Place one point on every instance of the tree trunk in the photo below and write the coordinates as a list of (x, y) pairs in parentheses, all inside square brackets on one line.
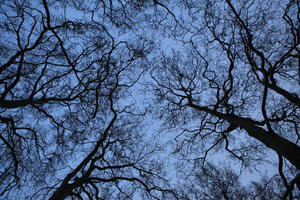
[(272, 140), (62, 192)]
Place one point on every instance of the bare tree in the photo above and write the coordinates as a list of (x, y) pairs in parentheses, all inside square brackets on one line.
[(211, 182), (69, 127), (235, 83), (221, 182)]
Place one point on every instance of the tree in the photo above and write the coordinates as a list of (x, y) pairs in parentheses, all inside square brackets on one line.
[(71, 121), (69, 127), (220, 182), (216, 183), (237, 79)]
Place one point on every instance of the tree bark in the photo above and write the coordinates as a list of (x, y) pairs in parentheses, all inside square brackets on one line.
[(62, 192), (272, 140)]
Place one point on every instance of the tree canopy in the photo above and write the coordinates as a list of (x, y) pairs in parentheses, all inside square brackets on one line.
[(111, 99)]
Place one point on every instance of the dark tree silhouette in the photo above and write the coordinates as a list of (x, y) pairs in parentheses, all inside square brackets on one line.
[(235, 79), (216, 183), (69, 127), (219, 182), (71, 123)]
